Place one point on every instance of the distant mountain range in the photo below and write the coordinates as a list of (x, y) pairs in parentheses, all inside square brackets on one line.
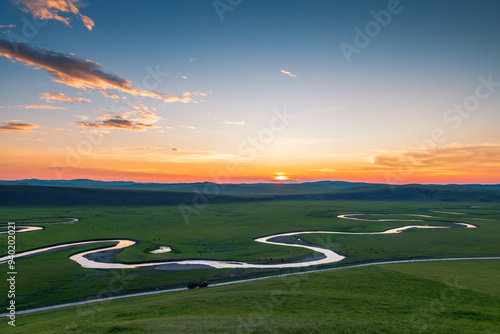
[(318, 187), (91, 192), (228, 188)]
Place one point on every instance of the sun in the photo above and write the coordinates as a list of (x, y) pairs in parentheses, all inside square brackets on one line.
[(280, 177)]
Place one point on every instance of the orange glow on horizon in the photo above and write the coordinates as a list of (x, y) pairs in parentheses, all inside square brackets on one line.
[(53, 164)]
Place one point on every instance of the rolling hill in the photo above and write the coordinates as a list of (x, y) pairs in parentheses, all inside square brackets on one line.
[(19, 195)]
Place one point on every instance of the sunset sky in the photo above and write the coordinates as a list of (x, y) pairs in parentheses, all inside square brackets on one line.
[(250, 91)]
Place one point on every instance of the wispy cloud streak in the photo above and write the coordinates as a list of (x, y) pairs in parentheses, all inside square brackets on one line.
[(60, 97), (234, 123), (117, 122), (7, 28), (452, 157), (39, 106), (288, 73), (78, 73), (32, 138), (17, 126), (49, 9), (138, 119)]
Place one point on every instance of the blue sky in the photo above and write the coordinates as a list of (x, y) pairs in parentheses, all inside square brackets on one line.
[(348, 114)]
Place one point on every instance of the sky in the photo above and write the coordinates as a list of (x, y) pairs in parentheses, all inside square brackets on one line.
[(234, 91)]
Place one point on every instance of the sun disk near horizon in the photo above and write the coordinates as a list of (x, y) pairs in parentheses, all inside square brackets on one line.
[(280, 177)]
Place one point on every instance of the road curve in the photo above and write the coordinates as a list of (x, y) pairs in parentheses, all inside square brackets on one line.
[(100, 300), (330, 257)]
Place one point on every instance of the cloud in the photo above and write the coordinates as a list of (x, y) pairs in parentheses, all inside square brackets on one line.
[(79, 73), (117, 122), (7, 28), (108, 94), (49, 9), (324, 169), (59, 129), (183, 77), (144, 114), (184, 98), (456, 160), (234, 123), (350, 169), (39, 106), (450, 157), (186, 127), (17, 126), (140, 118), (163, 155), (60, 97), (144, 148), (288, 73), (199, 156), (34, 106), (32, 138)]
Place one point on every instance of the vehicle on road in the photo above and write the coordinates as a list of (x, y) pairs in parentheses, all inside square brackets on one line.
[(203, 284)]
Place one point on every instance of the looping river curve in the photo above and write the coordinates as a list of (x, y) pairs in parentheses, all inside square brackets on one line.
[(89, 259)]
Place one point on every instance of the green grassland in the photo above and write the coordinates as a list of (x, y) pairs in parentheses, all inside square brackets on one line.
[(226, 232), (436, 297)]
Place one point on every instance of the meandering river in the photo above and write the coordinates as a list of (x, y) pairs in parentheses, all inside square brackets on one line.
[(89, 259)]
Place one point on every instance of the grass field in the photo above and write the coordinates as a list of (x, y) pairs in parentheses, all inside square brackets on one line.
[(437, 297), (226, 232)]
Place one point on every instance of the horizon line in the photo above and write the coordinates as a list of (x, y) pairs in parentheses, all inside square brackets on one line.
[(287, 182)]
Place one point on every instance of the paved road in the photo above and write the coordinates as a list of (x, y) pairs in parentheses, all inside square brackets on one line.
[(100, 300)]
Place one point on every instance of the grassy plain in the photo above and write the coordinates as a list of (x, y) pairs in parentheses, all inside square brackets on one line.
[(436, 297), (226, 232)]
